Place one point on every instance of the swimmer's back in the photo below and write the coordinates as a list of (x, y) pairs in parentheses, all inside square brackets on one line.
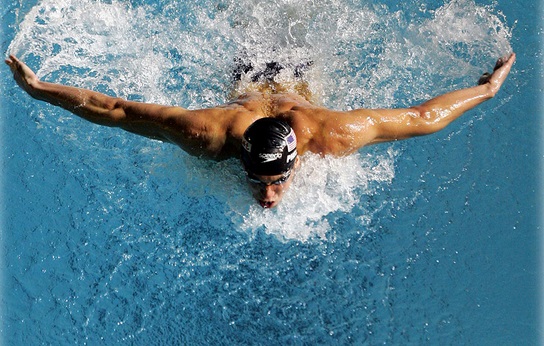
[(318, 129)]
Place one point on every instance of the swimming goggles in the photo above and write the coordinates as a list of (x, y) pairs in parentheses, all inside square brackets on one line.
[(253, 180)]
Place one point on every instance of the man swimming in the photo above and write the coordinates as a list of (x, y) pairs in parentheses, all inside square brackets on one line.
[(266, 127)]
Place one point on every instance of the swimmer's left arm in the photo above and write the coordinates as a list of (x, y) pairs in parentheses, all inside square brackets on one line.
[(342, 133), (435, 114)]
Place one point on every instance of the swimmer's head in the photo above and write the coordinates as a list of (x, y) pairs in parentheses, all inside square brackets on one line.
[(269, 147), (269, 156)]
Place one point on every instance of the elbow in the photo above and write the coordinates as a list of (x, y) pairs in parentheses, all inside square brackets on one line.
[(115, 103), (113, 114), (423, 114), (116, 110), (432, 116), (426, 120)]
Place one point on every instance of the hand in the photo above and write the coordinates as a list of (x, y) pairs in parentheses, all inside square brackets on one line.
[(501, 70), (23, 75)]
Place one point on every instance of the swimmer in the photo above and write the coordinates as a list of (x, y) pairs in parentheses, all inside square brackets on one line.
[(265, 127)]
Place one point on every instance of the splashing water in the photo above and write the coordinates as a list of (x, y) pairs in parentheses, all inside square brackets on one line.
[(323, 186), (182, 53)]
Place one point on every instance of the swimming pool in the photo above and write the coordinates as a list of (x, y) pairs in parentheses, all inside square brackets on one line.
[(111, 238)]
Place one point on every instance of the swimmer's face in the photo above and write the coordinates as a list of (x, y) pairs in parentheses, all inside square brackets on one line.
[(268, 190)]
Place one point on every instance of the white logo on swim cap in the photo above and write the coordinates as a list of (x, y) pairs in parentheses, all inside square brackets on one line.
[(269, 157), (291, 156)]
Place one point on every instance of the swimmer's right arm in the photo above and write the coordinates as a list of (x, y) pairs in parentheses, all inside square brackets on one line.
[(188, 129)]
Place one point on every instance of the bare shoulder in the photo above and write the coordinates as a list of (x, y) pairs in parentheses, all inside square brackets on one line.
[(214, 133), (318, 129), (325, 131)]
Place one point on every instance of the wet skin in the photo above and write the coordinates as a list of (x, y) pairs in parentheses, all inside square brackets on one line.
[(216, 133), (266, 192), (269, 190)]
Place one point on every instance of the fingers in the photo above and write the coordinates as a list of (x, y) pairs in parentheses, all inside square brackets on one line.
[(13, 63), (504, 64), (511, 59), (15, 67), (23, 75), (11, 59), (499, 63), (18, 67), (503, 60), (499, 75)]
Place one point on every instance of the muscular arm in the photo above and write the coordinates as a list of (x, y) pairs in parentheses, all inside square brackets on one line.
[(191, 130), (364, 126)]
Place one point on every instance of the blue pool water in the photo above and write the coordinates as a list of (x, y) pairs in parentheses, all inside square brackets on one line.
[(109, 238)]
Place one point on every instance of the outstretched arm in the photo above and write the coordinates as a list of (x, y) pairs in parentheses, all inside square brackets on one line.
[(92, 106), (346, 132), (188, 129), (437, 113)]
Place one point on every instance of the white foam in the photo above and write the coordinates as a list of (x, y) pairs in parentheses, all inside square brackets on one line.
[(101, 43), (357, 48), (322, 186)]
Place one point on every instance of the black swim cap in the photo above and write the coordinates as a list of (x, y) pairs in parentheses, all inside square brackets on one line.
[(269, 147)]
